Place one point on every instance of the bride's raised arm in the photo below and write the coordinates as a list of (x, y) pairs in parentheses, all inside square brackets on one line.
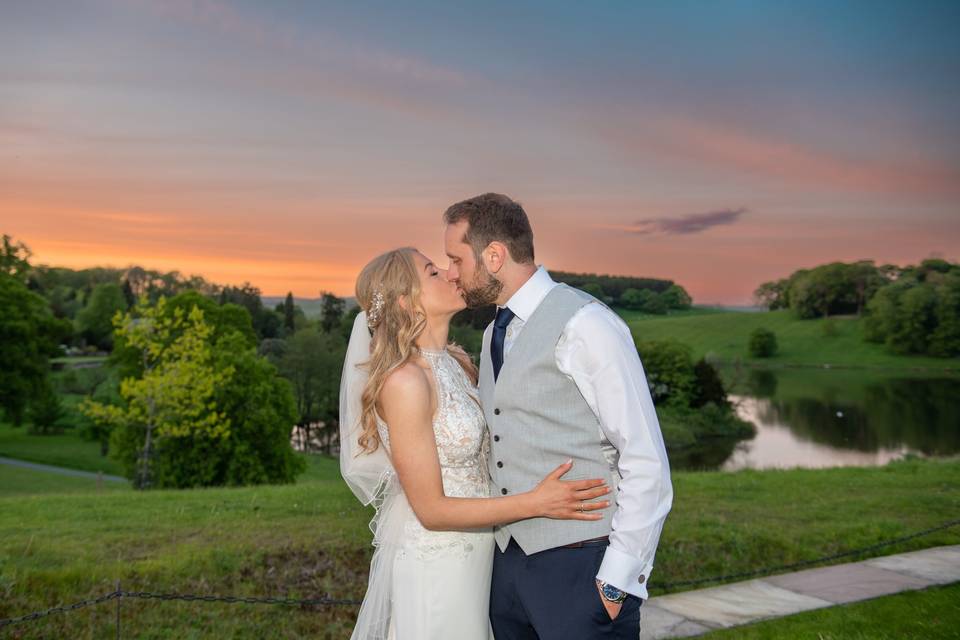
[(405, 402)]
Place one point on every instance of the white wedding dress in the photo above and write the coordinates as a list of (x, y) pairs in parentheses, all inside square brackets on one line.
[(434, 584)]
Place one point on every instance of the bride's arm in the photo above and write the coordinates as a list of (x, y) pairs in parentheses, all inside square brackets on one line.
[(406, 407)]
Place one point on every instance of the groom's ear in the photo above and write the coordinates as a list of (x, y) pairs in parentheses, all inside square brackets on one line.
[(495, 256)]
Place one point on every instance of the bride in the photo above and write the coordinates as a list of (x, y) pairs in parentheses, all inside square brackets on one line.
[(413, 444)]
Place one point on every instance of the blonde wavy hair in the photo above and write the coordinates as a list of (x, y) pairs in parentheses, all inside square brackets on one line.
[(395, 329)]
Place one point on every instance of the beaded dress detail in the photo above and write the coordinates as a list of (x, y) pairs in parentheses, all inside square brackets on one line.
[(463, 446)]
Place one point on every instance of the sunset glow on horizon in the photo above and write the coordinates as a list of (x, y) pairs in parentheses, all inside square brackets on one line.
[(285, 144)]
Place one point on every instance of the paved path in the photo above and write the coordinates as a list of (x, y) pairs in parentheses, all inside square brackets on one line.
[(692, 613), (61, 470)]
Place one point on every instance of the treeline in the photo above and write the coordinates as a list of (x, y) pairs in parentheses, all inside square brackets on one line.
[(912, 310), (650, 295), (203, 384)]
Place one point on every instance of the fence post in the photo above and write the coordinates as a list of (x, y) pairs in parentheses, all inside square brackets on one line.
[(119, 597)]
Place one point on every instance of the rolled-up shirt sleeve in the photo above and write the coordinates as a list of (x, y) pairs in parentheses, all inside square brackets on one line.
[(597, 351)]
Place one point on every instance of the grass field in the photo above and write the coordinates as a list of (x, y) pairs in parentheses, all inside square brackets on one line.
[(930, 614), (724, 335), (311, 539), (62, 450)]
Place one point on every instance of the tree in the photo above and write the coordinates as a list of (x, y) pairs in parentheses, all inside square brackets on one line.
[(266, 322), (668, 365), (29, 335), (631, 299), (763, 343), (331, 310), (312, 362), (709, 386), (14, 259), (676, 297), (174, 396), (772, 295), (94, 322), (289, 313)]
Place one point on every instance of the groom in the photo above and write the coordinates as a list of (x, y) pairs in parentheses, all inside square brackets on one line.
[(560, 379)]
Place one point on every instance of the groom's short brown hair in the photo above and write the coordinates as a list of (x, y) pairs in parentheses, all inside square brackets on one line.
[(494, 217)]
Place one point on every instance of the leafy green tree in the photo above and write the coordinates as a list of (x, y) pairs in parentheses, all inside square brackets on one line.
[(14, 259), (312, 361), (773, 294), (668, 365), (95, 321), (266, 322), (331, 311), (174, 397), (631, 299), (945, 340), (262, 412), (46, 411), (763, 343), (676, 297), (29, 335)]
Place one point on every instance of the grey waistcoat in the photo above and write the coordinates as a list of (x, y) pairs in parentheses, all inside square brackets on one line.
[(537, 420)]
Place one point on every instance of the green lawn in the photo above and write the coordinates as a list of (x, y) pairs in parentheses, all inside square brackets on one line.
[(62, 450), (921, 615), (17, 481), (311, 539), (725, 336)]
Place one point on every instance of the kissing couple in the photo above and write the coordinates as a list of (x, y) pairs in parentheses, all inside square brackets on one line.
[(524, 508)]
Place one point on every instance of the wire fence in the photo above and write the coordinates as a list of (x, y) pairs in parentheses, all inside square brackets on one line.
[(118, 594)]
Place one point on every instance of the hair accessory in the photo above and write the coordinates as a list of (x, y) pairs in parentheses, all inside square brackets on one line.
[(376, 308)]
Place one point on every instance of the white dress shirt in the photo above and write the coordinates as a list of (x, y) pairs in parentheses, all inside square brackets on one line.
[(597, 351)]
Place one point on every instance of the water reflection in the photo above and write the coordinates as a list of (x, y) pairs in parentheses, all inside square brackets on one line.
[(825, 418)]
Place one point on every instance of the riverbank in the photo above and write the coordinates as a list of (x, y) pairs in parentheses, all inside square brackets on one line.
[(311, 539)]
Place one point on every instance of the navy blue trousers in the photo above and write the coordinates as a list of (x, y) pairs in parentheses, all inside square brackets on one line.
[(552, 595)]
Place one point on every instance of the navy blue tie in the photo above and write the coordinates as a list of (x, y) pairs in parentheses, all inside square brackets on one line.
[(504, 316)]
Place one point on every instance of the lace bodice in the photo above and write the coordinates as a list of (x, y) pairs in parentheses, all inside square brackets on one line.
[(462, 447)]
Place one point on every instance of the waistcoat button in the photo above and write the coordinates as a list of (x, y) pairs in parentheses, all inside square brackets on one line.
[(496, 438), (503, 491), (496, 412), (500, 464)]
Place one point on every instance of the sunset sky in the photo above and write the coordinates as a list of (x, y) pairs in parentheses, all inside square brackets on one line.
[(718, 144)]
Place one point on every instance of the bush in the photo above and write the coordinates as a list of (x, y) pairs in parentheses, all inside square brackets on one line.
[(763, 343)]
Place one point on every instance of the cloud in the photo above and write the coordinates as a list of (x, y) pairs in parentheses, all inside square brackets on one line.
[(681, 225), (755, 155)]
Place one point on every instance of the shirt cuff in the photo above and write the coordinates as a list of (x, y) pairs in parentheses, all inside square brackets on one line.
[(625, 572)]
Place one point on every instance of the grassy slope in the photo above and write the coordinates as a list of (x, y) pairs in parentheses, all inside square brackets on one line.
[(725, 336), (311, 539)]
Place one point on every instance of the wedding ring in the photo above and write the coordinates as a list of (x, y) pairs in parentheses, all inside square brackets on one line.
[(580, 508)]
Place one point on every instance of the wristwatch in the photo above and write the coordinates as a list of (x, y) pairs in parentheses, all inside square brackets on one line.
[(610, 593)]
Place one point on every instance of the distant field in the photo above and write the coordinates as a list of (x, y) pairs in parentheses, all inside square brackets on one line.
[(62, 450), (725, 335)]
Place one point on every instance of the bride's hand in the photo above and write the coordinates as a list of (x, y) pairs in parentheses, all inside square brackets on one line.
[(567, 499)]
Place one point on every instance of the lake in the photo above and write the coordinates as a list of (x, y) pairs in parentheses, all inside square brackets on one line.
[(831, 417)]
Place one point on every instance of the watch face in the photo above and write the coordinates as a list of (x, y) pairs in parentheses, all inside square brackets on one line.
[(610, 592)]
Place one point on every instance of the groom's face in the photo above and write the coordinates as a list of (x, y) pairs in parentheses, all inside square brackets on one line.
[(477, 285)]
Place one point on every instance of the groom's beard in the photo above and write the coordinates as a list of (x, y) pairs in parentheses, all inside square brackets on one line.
[(485, 289)]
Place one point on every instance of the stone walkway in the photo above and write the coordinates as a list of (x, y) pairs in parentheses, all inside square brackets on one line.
[(692, 613), (61, 470)]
